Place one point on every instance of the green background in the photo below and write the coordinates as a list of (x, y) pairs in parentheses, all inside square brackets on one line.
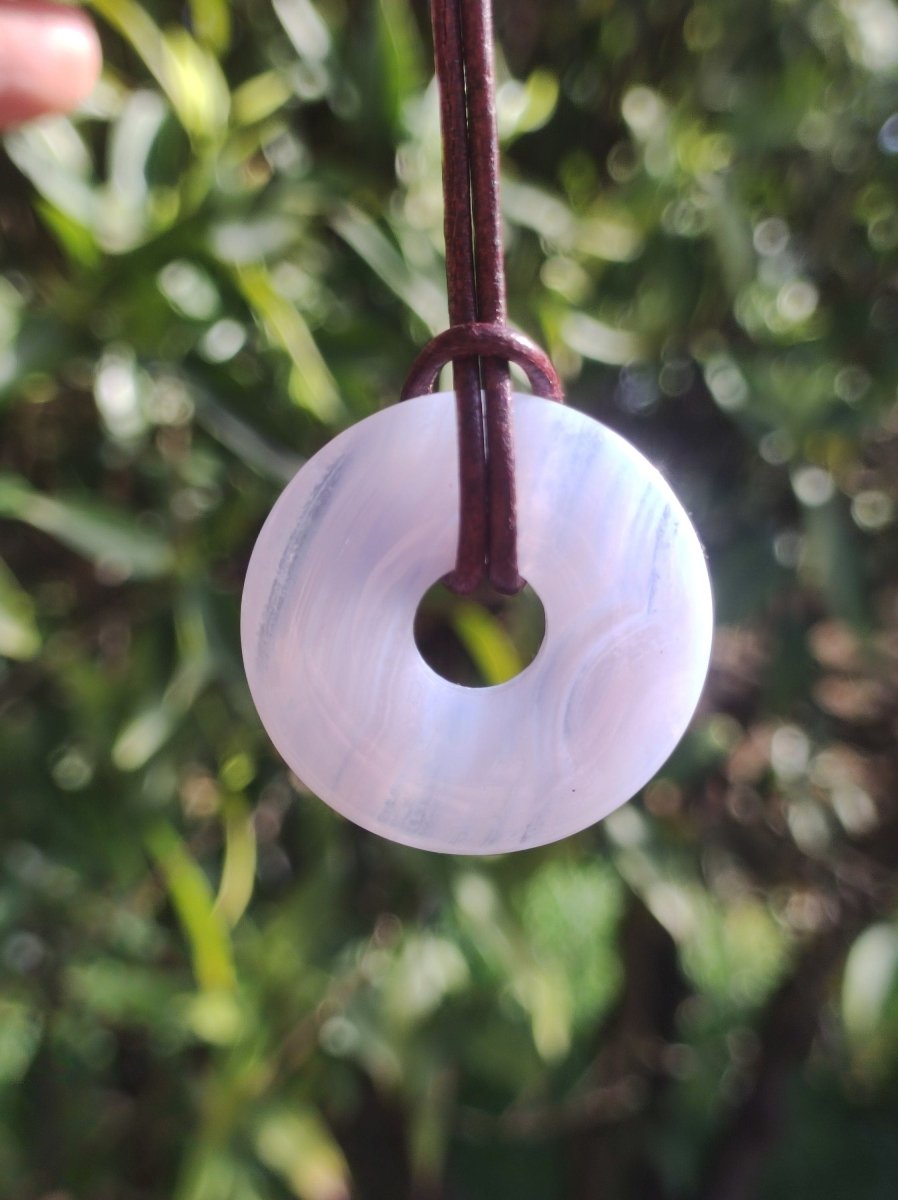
[(212, 987)]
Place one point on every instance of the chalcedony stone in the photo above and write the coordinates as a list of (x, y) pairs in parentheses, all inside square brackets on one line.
[(347, 553)]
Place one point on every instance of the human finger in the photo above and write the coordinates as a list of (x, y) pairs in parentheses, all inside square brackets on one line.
[(50, 58)]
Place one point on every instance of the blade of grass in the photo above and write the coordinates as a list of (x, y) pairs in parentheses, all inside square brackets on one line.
[(191, 897)]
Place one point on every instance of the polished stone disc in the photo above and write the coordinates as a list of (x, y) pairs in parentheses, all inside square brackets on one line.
[(350, 548)]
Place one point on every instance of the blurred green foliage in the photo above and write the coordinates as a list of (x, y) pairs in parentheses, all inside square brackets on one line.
[(215, 989)]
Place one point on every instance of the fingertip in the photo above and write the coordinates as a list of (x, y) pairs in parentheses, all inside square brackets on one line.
[(50, 59)]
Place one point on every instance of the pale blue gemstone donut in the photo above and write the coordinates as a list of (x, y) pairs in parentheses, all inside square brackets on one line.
[(335, 579)]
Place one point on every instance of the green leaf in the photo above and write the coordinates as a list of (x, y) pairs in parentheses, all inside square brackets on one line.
[(400, 53), (127, 212), (418, 294), (525, 107), (214, 1016), (259, 98), (298, 1146), (869, 986), (192, 899), (19, 635), (596, 340), (489, 645), (131, 20), (239, 870), (54, 156), (311, 383), (77, 240), (197, 88), (304, 27), (835, 561), (20, 1036), (211, 22), (273, 461), (570, 913), (186, 72), (114, 541), (423, 973), (148, 731), (123, 992)]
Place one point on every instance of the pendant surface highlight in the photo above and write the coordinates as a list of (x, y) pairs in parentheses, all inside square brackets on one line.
[(336, 576)]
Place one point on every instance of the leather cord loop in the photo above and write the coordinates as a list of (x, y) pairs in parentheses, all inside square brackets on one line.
[(496, 341)]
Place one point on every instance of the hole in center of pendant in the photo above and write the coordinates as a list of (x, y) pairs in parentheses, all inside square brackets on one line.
[(479, 640)]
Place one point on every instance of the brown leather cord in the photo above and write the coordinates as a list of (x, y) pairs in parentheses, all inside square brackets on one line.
[(496, 341), (479, 344), (489, 269), (461, 287)]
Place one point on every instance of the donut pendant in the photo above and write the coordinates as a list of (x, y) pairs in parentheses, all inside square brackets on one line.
[(345, 557)]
